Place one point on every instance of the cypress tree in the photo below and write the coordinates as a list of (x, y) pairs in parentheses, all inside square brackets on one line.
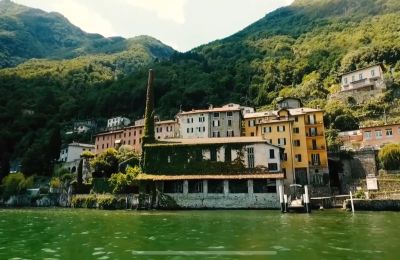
[(148, 135)]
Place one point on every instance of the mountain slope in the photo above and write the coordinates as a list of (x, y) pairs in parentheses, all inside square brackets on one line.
[(297, 50), (32, 33)]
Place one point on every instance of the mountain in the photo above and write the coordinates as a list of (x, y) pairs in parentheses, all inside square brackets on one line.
[(298, 50), (27, 33)]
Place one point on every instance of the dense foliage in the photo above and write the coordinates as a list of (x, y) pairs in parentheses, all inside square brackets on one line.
[(389, 156), (15, 184), (294, 51)]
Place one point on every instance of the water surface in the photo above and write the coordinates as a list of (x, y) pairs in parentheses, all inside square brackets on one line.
[(94, 234)]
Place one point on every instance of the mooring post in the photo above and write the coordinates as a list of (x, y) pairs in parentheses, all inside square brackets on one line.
[(281, 199), (285, 199), (351, 201), (307, 199)]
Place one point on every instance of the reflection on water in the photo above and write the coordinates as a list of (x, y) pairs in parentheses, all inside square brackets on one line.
[(93, 234)]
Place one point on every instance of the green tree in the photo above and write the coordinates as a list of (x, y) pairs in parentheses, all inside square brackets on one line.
[(106, 163)]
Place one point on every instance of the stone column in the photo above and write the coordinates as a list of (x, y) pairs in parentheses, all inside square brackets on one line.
[(250, 187), (226, 187), (205, 187), (185, 187)]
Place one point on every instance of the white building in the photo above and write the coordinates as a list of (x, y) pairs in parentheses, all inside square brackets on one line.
[(222, 121), (254, 186), (118, 122), (369, 78), (70, 155)]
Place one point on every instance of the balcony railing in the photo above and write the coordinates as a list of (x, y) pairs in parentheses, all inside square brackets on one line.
[(317, 148), (314, 135), (314, 123)]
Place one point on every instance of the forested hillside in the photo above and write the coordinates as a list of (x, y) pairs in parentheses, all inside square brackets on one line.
[(294, 51)]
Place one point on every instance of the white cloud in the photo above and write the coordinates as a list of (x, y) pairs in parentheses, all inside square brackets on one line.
[(172, 10), (84, 17)]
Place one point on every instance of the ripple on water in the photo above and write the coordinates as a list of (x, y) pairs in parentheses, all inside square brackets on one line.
[(152, 238), (98, 253), (85, 233), (48, 250)]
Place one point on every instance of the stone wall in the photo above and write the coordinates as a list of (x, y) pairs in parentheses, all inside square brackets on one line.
[(231, 201), (374, 205)]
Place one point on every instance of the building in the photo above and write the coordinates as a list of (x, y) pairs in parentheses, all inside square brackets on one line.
[(222, 121), (371, 137), (235, 172), (84, 126), (131, 135), (300, 131), (368, 78), (117, 122), (70, 155), (352, 140)]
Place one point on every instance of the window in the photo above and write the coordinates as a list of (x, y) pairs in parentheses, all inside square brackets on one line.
[(270, 141), (368, 135), (264, 186), (187, 130), (238, 186), (313, 131), (296, 143), (345, 80), (296, 119), (272, 166), (195, 186), (215, 134), (373, 73), (229, 122), (215, 186), (378, 134), (230, 114), (250, 157), (297, 157), (216, 123), (213, 155), (191, 130), (280, 128), (281, 141), (360, 76), (267, 129), (230, 133), (296, 130), (271, 153), (353, 78), (228, 154), (173, 186), (389, 132), (216, 114), (315, 159), (284, 156)]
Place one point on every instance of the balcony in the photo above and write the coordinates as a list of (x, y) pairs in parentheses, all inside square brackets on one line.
[(312, 135), (312, 123), (362, 83), (317, 148)]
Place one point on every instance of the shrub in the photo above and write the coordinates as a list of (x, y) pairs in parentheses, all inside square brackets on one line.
[(121, 182), (15, 184), (55, 183), (389, 157)]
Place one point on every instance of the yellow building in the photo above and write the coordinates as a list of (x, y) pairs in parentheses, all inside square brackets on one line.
[(301, 132)]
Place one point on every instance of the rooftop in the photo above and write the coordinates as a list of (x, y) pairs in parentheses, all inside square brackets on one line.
[(218, 140), (144, 177), (292, 111), (226, 108), (380, 65), (82, 145)]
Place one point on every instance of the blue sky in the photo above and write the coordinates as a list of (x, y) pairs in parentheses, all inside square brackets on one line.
[(182, 24)]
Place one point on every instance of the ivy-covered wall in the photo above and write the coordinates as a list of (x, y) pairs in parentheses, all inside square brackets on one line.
[(188, 159)]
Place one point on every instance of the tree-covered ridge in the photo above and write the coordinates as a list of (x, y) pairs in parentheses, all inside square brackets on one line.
[(27, 33), (298, 50)]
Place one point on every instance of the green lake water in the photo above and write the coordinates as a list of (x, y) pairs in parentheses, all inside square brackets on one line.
[(94, 234)]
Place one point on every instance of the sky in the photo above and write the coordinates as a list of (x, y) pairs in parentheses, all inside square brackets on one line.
[(181, 24)]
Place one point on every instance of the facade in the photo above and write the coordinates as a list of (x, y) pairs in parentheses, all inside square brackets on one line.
[(236, 172), (116, 122), (84, 126), (369, 78), (132, 135), (222, 121), (371, 137), (301, 132), (70, 155)]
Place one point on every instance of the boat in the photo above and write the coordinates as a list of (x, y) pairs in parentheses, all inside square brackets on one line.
[(296, 201)]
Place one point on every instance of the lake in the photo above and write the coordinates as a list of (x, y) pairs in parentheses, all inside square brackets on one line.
[(95, 234)]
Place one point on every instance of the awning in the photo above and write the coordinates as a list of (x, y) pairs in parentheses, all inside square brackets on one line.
[(153, 177)]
